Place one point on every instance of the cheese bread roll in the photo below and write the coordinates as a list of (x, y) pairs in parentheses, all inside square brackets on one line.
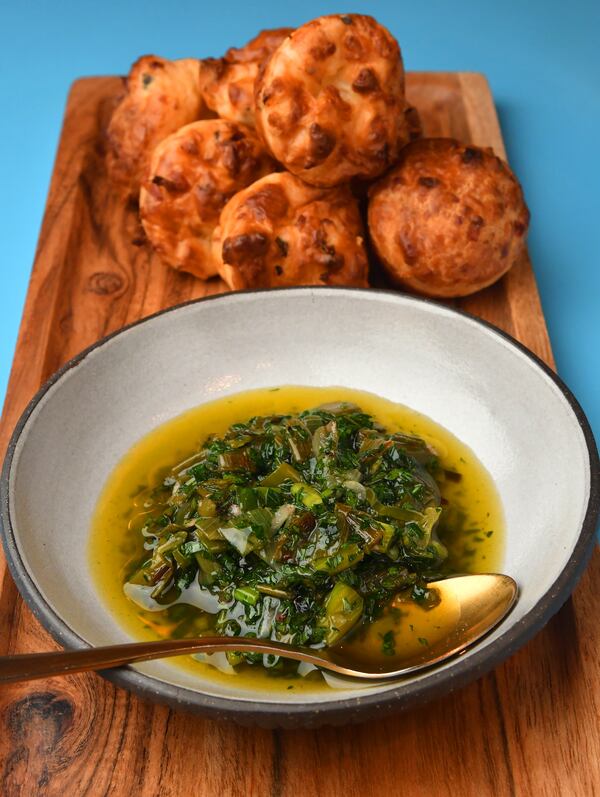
[(160, 97), (280, 231), (330, 100), (192, 174), (449, 219)]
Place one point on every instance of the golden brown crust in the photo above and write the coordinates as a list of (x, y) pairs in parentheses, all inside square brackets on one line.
[(449, 219), (280, 231), (193, 173), (228, 82), (330, 100), (160, 97)]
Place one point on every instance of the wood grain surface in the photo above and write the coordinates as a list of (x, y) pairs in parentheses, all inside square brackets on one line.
[(529, 728)]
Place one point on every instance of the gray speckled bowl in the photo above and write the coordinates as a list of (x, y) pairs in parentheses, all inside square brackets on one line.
[(494, 395)]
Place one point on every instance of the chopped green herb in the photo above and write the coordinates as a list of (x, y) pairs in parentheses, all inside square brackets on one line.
[(248, 595), (297, 528), (388, 644)]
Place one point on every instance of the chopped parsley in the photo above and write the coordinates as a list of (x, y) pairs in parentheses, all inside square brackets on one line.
[(388, 643), (297, 528)]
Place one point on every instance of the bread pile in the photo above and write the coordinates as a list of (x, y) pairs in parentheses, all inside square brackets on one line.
[(251, 166)]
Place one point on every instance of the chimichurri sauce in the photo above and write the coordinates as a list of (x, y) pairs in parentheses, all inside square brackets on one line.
[(293, 517)]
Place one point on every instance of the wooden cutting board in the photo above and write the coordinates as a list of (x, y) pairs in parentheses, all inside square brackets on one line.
[(529, 728)]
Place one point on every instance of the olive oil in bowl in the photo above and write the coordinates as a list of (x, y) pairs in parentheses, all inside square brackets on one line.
[(470, 525)]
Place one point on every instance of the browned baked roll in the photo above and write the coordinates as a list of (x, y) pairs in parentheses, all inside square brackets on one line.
[(330, 100), (192, 174), (449, 219), (228, 82), (280, 231), (160, 96)]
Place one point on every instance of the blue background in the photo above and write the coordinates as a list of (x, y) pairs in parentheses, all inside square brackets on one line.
[(542, 58)]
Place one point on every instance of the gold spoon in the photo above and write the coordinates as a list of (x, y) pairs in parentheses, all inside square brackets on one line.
[(469, 607)]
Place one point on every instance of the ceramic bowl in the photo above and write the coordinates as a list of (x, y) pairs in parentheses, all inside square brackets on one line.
[(494, 395)]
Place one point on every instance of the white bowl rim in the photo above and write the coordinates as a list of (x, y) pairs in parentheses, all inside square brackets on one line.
[(347, 709)]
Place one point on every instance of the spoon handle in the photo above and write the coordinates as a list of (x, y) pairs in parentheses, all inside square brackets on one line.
[(484, 600), (30, 666)]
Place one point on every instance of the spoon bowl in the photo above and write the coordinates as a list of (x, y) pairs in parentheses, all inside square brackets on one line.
[(469, 607)]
